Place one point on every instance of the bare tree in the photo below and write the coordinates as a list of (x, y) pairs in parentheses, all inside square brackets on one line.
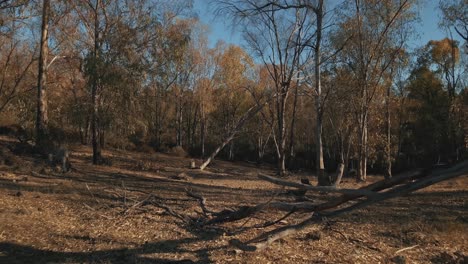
[(370, 54), (276, 35), (41, 113)]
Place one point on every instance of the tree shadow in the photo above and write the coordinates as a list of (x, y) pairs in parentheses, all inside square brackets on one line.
[(15, 253)]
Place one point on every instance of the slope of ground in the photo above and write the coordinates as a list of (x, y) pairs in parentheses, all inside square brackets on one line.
[(97, 214)]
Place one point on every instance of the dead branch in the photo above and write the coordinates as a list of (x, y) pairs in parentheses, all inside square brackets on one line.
[(263, 241), (202, 201), (270, 223), (422, 180), (183, 218), (404, 249), (360, 192), (247, 211), (137, 204), (375, 187)]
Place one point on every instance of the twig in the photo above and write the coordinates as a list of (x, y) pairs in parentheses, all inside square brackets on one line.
[(89, 207), (138, 203), (270, 223), (92, 195), (406, 248)]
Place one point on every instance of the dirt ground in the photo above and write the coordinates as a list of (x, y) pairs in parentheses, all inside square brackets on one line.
[(97, 214)]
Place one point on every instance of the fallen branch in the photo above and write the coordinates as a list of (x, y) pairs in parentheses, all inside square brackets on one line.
[(263, 241), (268, 238), (375, 187), (202, 201), (270, 223), (404, 249), (139, 203), (331, 189), (185, 219), (247, 211)]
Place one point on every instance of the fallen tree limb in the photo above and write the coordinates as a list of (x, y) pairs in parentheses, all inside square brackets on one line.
[(264, 240), (332, 189), (202, 202), (270, 223), (405, 189), (375, 187), (185, 219), (142, 202), (247, 211)]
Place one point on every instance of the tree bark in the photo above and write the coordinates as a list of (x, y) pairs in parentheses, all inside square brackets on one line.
[(388, 147), (42, 117), (202, 134), (293, 121), (283, 96), (362, 158), (323, 179), (94, 89)]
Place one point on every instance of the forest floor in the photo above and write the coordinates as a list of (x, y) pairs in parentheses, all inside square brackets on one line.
[(93, 215)]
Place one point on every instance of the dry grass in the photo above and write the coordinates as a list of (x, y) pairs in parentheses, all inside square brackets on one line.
[(87, 216)]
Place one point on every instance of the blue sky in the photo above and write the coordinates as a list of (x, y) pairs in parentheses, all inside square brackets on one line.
[(427, 29)]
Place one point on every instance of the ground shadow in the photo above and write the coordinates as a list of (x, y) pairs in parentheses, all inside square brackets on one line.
[(15, 253)]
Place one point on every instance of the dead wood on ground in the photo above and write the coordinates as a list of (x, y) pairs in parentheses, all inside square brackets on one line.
[(350, 200)]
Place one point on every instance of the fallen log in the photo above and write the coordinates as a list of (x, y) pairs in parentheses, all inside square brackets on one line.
[(331, 189), (264, 240), (248, 211), (375, 187)]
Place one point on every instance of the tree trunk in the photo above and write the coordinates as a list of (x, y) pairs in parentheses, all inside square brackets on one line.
[(293, 120), (95, 92), (282, 132), (202, 135), (42, 118), (323, 179), (231, 150), (362, 158), (388, 148), (179, 121)]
